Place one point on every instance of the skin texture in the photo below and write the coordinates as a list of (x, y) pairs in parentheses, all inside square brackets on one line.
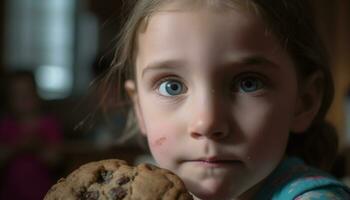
[(221, 138)]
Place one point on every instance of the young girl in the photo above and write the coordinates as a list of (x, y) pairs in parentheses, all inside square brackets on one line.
[(231, 96)]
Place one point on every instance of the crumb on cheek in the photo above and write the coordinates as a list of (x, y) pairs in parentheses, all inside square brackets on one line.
[(159, 141)]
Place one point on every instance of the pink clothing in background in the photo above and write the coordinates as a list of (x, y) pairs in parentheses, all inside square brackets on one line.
[(25, 175)]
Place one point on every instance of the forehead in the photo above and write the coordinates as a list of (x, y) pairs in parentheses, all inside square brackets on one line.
[(216, 6), (205, 37)]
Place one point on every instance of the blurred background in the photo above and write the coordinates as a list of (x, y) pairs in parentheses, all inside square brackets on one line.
[(50, 52)]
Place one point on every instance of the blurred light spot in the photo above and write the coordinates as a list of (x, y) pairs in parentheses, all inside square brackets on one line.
[(54, 82)]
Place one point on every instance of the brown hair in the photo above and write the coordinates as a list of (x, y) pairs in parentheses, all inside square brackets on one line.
[(291, 22)]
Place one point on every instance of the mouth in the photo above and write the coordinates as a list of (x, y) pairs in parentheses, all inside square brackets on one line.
[(216, 162)]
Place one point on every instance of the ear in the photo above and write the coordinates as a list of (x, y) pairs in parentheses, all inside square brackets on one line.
[(308, 103), (130, 87)]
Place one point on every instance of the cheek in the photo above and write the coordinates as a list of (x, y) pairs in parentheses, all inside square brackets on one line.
[(265, 127), (159, 142), (162, 139), (163, 130), (159, 136)]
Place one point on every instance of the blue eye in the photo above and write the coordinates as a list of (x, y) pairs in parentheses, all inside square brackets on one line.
[(171, 88), (250, 84)]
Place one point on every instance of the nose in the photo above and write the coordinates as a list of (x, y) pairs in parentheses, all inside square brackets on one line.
[(209, 119)]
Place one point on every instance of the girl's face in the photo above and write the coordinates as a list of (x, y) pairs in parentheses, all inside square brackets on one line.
[(216, 97)]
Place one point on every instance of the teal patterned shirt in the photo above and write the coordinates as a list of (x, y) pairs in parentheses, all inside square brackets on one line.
[(294, 180)]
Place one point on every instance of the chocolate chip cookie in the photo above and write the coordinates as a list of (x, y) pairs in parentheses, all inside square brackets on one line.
[(116, 180)]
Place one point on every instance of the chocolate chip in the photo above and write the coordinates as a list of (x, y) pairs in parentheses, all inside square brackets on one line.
[(91, 195), (117, 193), (105, 176), (123, 180)]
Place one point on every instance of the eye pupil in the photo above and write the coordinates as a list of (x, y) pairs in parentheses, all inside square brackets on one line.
[(173, 86), (248, 83)]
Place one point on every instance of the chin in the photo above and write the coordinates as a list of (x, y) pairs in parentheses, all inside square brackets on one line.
[(212, 190), (207, 195)]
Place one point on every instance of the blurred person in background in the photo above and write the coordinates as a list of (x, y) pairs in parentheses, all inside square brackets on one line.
[(29, 141)]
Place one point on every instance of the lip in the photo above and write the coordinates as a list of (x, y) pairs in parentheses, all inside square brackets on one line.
[(216, 162)]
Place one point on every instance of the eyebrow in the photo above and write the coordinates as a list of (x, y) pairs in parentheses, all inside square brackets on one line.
[(163, 65), (258, 60), (255, 60)]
